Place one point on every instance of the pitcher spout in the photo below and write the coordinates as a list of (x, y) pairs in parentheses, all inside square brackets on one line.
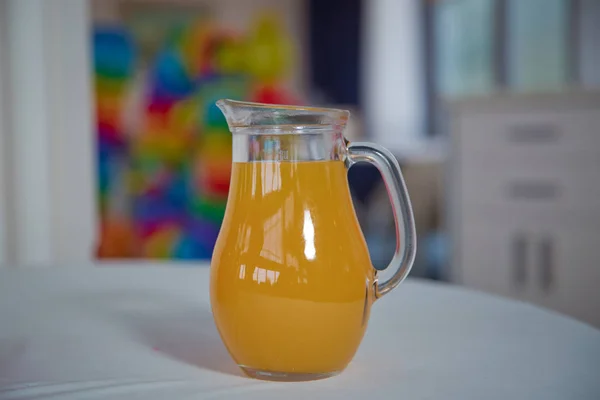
[(245, 116)]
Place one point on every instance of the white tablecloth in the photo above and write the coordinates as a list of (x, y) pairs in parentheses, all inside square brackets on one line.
[(147, 333)]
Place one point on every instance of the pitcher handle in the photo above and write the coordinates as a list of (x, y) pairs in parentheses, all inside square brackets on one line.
[(406, 243)]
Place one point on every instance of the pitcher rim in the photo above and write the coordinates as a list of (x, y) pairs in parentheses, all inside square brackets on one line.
[(280, 118), (285, 106)]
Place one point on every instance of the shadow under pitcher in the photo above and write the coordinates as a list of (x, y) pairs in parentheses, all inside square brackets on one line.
[(291, 281)]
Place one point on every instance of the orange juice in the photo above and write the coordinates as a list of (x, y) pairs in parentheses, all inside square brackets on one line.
[(291, 279)]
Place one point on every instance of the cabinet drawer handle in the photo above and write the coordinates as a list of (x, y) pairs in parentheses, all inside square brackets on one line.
[(546, 261), (519, 254), (533, 134), (533, 190)]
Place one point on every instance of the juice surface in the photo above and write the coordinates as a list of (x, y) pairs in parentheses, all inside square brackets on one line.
[(291, 278)]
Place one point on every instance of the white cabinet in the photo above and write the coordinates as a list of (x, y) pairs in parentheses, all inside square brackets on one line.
[(525, 199), (567, 265), (496, 264)]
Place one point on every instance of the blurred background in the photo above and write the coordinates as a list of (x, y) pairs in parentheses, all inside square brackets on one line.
[(112, 152)]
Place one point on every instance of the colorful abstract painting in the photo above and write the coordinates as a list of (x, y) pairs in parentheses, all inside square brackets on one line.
[(164, 149)]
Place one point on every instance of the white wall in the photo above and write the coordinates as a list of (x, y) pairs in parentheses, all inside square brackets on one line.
[(29, 133), (4, 223), (47, 134), (393, 87)]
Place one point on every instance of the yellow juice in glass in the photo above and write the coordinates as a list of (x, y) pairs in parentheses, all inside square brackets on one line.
[(291, 281)]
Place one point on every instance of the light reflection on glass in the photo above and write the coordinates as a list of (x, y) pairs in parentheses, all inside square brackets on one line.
[(243, 238), (242, 271), (273, 238), (271, 177), (269, 255), (291, 261), (288, 215), (309, 236), (262, 275), (254, 180)]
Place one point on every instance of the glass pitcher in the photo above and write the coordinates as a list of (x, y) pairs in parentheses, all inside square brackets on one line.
[(291, 280)]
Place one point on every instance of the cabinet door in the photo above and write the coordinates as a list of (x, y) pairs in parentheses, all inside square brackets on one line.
[(550, 190), (567, 272), (544, 136), (493, 256)]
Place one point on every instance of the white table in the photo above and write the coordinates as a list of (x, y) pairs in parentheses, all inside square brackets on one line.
[(147, 333)]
